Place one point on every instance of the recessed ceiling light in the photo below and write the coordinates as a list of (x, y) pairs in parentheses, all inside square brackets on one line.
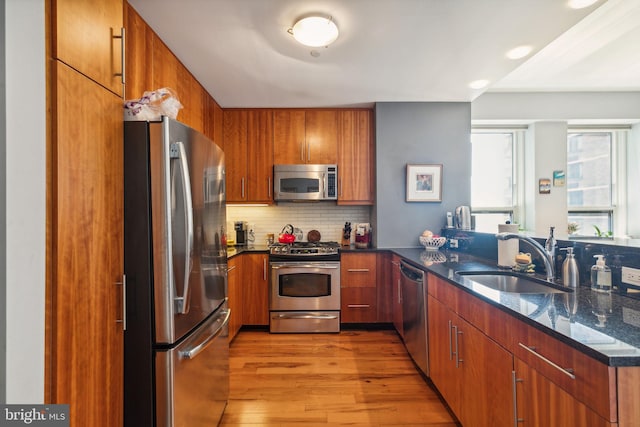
[(315, 31), (519, 52), (580, 4), (479, 84)]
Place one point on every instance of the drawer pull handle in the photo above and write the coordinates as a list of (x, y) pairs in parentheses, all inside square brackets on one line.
[(358, 270), (358, 305), (568, 372)]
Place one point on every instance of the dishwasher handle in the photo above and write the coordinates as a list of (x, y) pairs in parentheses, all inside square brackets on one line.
[(411, 273)]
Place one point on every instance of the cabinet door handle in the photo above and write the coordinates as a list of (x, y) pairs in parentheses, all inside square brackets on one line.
[(233, 267), (358, 270), (269, 186), (450, 342), (122, 55), (264, 269), (399, 286), (567, 371), (242, 187), (358, 305), (308, 151), (457, 343), (302, 151), (514, 381), (124, 302)]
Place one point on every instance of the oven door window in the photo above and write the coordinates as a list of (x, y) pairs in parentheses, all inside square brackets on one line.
[(305, 285), (300, 185)]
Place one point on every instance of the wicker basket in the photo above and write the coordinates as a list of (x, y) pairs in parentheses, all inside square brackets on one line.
[(432, 243)]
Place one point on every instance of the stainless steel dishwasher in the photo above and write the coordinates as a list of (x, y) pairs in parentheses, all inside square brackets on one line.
[(414, 315)]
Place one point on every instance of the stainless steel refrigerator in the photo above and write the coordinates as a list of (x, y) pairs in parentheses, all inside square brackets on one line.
[(176, 362)]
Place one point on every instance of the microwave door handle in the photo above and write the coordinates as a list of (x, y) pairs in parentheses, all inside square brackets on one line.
[(182, 302), (324, 186)]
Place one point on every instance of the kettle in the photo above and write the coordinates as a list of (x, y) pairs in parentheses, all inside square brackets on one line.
[(463, 218)]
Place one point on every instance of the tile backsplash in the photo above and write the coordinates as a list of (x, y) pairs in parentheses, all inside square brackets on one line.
[(327, 218)]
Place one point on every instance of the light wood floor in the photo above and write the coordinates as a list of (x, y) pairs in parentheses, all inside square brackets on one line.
[(355, 378)]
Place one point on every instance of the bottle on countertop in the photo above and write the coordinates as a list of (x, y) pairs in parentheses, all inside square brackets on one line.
[(600, 275), (570, 272)]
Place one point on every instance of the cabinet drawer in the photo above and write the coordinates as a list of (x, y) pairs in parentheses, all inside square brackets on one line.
[(358, 270), (358, 305), (586, 379)]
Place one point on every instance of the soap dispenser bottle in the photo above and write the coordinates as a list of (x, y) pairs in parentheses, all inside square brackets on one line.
[(600, 275), (570, 272)]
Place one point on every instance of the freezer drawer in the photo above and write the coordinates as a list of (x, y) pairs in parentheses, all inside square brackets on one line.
[(193, 378)]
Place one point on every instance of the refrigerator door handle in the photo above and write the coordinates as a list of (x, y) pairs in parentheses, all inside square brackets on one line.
[(201, 344), (182, 302)]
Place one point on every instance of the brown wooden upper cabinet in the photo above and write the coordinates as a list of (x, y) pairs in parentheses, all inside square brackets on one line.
[(248, 145), (305, 136), (88, 39), (355, 158)]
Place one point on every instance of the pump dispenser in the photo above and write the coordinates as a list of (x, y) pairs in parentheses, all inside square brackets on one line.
[(600, 275), (570, 272)]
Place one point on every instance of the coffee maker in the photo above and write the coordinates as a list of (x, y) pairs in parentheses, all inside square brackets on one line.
[(241, 232)]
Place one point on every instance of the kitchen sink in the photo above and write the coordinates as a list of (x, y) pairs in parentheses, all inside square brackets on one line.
[(506, 281)]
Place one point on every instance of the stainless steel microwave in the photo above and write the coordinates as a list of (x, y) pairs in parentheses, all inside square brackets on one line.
[(296, 183)]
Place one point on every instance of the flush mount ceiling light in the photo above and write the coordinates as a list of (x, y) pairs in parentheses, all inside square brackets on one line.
[(479, 84), (580, 4), (314, 31), (519, 52)]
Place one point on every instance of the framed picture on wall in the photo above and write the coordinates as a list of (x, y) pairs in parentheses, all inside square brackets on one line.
[(424, 183)]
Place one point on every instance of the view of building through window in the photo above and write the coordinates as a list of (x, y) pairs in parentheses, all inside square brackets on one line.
[(589, 186)]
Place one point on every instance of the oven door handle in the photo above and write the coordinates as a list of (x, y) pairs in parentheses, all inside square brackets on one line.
[(298, 265), (307, 316)]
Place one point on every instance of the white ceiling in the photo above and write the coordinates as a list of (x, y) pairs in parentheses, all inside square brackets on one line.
[(398, 50)]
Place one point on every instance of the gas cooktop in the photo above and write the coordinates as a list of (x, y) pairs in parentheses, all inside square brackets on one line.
[(304, 248)]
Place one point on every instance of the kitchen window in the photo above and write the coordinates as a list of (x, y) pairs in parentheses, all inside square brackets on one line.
[(495, 194), (593, 192)]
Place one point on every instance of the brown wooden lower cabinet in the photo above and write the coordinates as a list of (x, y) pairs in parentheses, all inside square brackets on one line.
[(541, 402), (234, 292), (472, 372), (358, 287), (396, 293), (255, 289), (482, 360)]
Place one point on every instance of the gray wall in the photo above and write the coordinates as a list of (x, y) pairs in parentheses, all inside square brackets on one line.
[(419, 133)]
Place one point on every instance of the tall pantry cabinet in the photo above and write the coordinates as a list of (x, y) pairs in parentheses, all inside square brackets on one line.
[(84, 331)]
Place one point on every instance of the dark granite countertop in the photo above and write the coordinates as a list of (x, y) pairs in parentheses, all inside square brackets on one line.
[(603, 326), (606, 326)]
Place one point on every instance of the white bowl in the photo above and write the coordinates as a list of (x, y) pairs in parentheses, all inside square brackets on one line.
[(432, 243)]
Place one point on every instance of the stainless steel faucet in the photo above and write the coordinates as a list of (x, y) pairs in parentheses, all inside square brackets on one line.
[(546, 256)]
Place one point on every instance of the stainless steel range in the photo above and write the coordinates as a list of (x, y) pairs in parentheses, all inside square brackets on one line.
[(305, 287)]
